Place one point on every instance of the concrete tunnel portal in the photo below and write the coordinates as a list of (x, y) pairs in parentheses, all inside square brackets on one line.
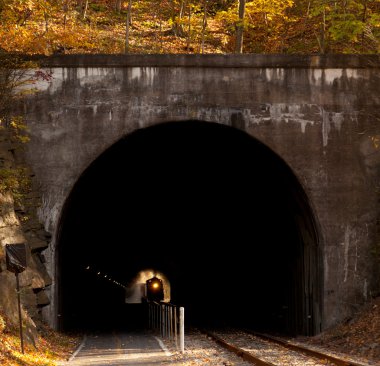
[(208, 206)]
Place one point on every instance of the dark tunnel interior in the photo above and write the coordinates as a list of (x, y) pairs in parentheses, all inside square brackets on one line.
[(213, 209)]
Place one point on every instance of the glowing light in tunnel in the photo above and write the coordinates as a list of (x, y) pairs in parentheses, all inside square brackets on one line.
[(135, 289), (108, 277)]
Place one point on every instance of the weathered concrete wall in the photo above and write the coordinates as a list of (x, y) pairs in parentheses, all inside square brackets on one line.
[(321, 115)]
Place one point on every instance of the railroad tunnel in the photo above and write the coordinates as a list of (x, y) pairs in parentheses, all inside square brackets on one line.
[(208, 206)]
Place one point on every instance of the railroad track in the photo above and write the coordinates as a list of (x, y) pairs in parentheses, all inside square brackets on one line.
[(265, 350)]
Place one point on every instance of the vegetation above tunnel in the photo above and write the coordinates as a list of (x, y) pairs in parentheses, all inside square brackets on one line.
[(190, 26)]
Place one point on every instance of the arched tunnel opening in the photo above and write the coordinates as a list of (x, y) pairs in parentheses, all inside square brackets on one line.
[(210, 207)]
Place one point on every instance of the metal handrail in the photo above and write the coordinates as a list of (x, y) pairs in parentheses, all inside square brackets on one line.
[(169, 321)]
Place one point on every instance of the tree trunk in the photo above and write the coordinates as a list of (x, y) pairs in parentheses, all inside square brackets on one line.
[(364, 20), (127, 26), (80, 6), (46, 22), (181, 12), (189, 29), (84, 14), (204, 25), (173, 17), (240, 28), (308, 8), (182, 9), (118, 5), (158, 35), (176, 21), (323, 32), (65, 11)]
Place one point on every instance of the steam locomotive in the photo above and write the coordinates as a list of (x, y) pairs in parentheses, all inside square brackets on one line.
[(154, 288)]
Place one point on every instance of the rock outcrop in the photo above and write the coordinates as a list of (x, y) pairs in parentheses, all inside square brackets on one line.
[(18, 224)]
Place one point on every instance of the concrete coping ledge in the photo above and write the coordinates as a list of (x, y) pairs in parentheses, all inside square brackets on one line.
[(208, 60)]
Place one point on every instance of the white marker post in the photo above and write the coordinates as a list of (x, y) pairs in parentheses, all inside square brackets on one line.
[(182, 329)]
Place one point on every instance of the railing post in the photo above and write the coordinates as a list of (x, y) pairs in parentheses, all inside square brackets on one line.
[(170, 322), (166, 321), (150, 316), (182, 329), (155, 317), (158, 312), (162, 320), (158, 321), (175, 327)]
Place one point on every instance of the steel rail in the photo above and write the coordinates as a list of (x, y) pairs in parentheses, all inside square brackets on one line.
[(309, 352), (300, 349), (238, 351)]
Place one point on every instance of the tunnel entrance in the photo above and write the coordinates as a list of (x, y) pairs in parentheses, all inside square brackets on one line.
[(210, 207)]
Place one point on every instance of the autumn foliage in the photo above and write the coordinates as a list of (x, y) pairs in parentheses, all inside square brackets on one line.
[(49, 348), (189, 26)]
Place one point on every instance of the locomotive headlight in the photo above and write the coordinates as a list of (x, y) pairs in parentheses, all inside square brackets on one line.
[(154, 290)]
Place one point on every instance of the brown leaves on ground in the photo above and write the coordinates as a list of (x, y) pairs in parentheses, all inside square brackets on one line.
[(359, 336), (50, 347)]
